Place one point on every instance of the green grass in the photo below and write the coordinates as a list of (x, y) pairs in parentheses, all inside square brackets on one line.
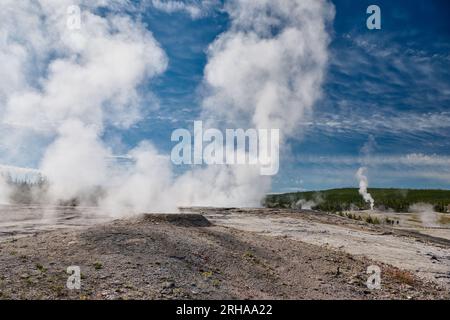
[(98, 265), (336, 200), (372, 220), (40, 267)]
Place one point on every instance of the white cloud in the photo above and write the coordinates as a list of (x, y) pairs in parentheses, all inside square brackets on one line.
[(195, 8)]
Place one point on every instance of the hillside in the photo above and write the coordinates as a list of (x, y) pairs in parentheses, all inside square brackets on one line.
[(398, 200)]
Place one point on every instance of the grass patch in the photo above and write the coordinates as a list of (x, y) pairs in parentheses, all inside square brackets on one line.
[(403, 277), (40, 267), (207, 274), (249, 255), (372, 220), (98, 265)]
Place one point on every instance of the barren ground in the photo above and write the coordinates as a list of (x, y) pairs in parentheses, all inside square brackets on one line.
[(422, 254), (245, 254)]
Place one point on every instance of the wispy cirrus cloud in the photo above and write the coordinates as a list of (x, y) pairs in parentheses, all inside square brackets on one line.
[(377, 85), (313, 172), (379, 122), (195, 8), (413, 159)]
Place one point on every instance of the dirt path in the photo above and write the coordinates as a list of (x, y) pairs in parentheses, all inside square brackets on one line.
[(153, 257)]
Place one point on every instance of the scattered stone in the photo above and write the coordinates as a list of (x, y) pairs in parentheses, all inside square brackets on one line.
[(168, 285), (433, 257)]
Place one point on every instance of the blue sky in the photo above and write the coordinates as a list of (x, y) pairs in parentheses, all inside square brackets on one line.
[(391, 86), (385, 100), (388, 86)]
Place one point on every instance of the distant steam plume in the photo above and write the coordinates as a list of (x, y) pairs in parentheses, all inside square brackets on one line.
[(427, 214), (366, 151), (363, 184)]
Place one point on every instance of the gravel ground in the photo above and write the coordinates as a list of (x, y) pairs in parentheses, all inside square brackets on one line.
[(177, 257), (425, 256)]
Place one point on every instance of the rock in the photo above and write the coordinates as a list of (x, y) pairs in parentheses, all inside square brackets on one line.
[(433, 257), (168, 285)]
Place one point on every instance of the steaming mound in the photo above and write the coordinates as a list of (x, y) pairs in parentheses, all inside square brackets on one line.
[(178, 219)]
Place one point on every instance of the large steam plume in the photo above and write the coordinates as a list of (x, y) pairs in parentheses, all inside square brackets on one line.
[(65, 87), (267, 70)]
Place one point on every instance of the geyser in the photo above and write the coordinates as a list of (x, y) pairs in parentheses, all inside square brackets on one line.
[(363, 184)]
